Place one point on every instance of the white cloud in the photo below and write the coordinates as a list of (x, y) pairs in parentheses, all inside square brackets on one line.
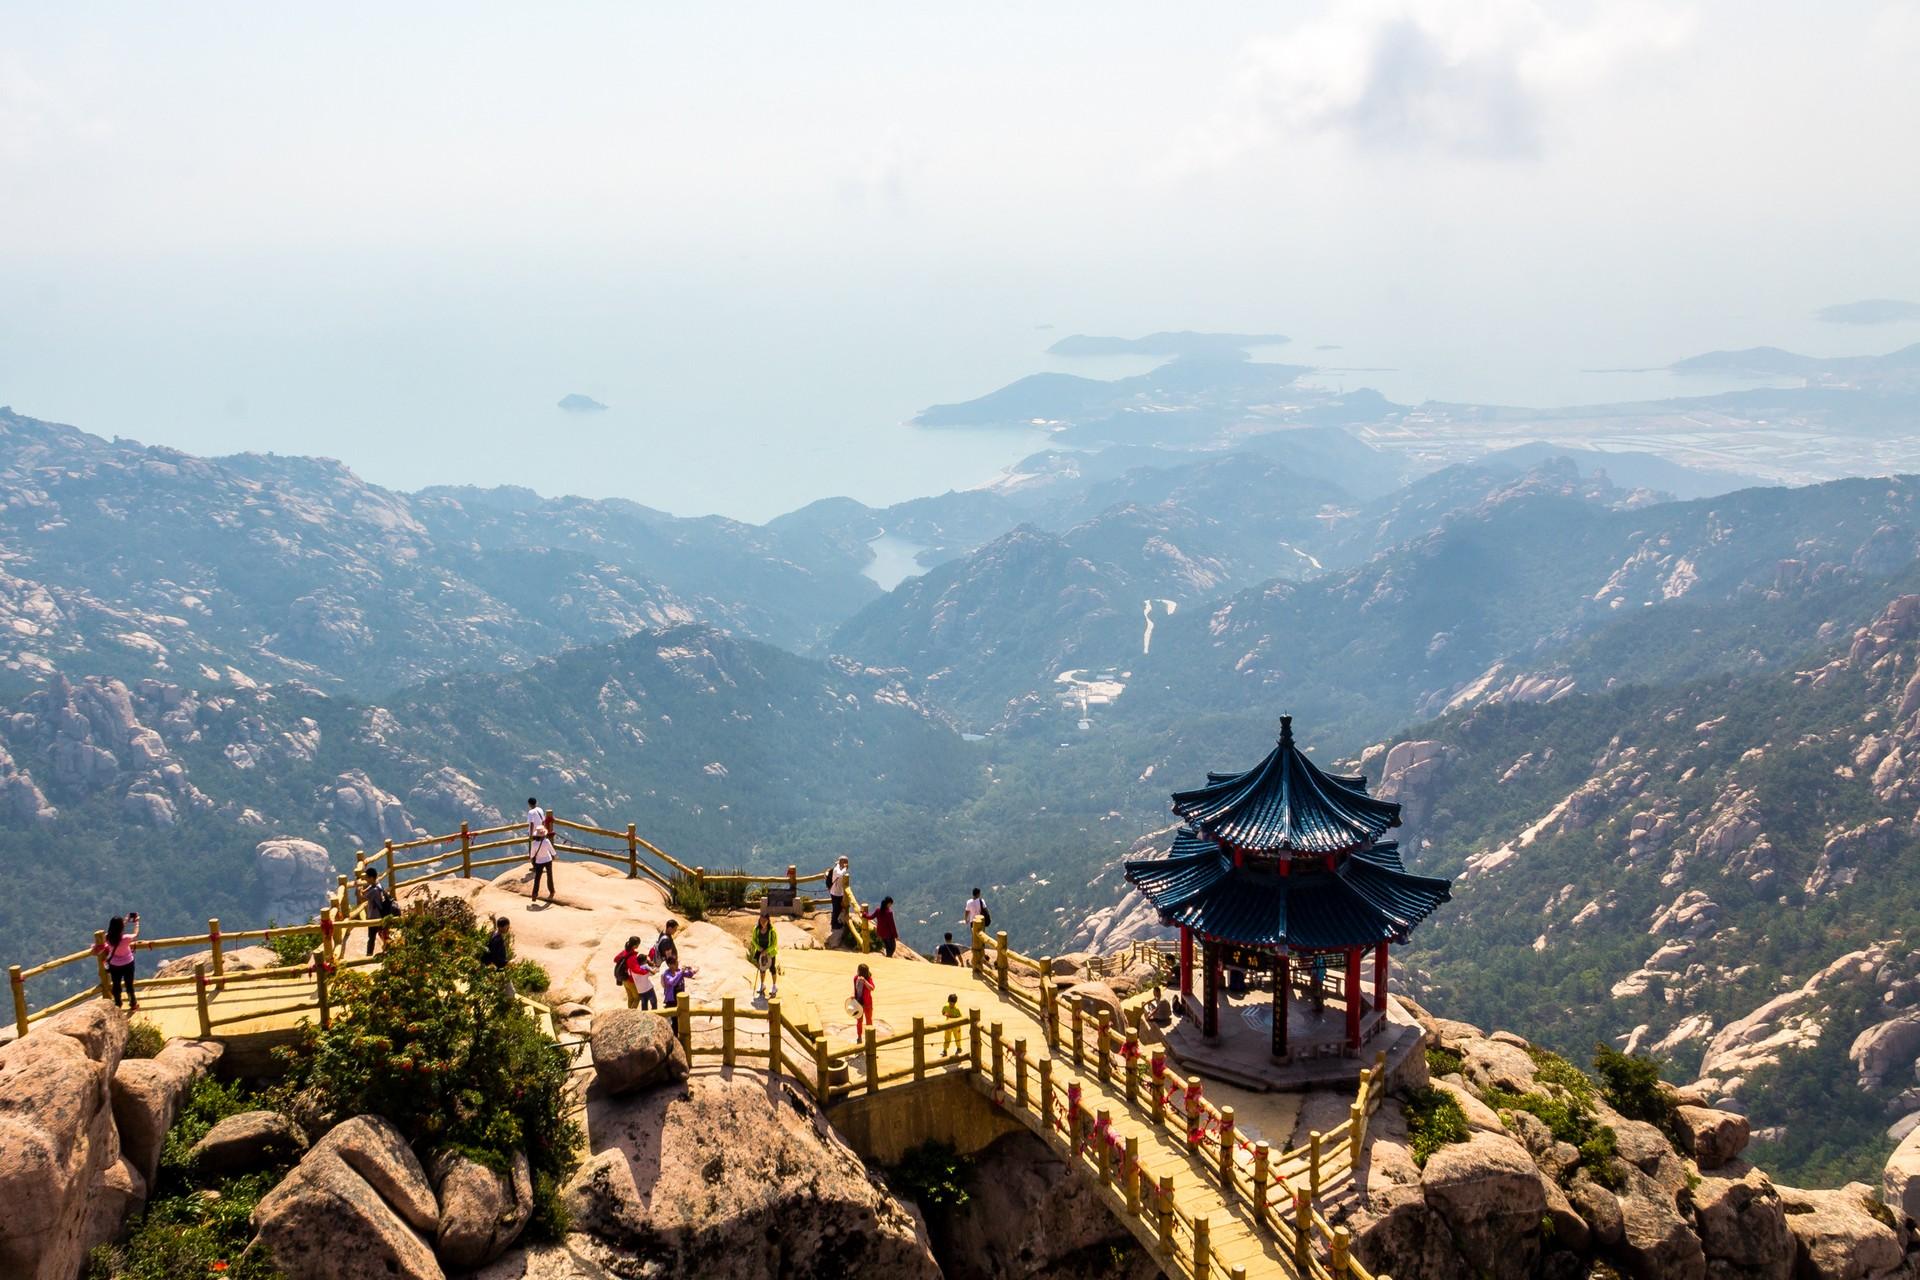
[(1468, 79)]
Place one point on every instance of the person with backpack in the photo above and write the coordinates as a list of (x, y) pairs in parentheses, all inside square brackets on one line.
[(635, 975), (540, 846), (949, 951), (122, 932), (863, 997), (837, 877), (884, 927), (763, 949), (380, 908), (976, 911), (666, 951)]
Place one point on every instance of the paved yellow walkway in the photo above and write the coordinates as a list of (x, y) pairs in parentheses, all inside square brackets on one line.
[(816, 985)]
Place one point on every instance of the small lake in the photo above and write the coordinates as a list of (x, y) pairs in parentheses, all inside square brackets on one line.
[(893, 560)]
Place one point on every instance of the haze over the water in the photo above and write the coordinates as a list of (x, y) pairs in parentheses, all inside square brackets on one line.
[(765, 237)]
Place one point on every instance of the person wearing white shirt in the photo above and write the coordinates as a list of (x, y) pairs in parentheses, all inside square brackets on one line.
[(837, 891), (540, 846), (976, 910)]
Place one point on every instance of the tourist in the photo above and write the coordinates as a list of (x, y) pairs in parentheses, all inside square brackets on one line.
[(635, 975), (666, 951), (976, 912), (950, 1013), (380, 908), (674, 981), (884, 927), (863, 997), (498, 949), (540, 847), (949, 951), (837, 878), (118, 949), (763, 949)]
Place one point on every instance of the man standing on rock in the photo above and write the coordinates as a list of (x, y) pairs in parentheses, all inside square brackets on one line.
[(380, 907), (540, 846)]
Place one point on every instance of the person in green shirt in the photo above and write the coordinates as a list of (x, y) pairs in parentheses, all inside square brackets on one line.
[(763, 948)]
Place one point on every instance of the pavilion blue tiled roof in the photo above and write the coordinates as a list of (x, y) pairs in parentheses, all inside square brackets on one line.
[(1367, 898), (1285, 803)]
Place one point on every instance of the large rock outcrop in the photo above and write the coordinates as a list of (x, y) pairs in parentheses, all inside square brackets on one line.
[(1844, 1234), (357, 1207), (726, 1176), (294, 877), (1487, 1190), (1029, 1216), (1901, 1180), (481, 1212), (58, 1145), (633, 1049), (147, 1093)]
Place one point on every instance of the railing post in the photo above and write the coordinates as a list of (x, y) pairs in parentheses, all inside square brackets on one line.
[(1356, 1133), (773, 1039), (683, 1021), (219, 952), (919, 1048), (821, 1084), (393, 881), (633, 853), (1130, 1177), (1079, 1041), (1226, 1152), (1000, 959), (200, 999), (873, 1060), (1130, 1062), (1020, 1073), (1342, 1244), (999, 1060), (320, 963), (1314, 1140), (1302, 1231), (1046, 1092), (1102, 1062), (700, 879), (1202, 1245), (726, 1031), (1262, 1156), (979, 951), (466, 853), (1165, 1206), (100, 960), (1103, 1125), (18, 982), (973, 1038), (1156, 1100)]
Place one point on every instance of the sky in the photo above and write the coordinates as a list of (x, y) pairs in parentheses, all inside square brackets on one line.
[(766, 234)]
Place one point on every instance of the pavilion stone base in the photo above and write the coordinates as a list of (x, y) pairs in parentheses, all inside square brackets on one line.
[(1242, 1054)]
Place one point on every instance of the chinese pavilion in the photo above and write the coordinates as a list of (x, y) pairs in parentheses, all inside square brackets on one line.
[(1281, 862)]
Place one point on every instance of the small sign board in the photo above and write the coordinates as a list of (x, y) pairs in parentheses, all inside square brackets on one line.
[(781, 898)]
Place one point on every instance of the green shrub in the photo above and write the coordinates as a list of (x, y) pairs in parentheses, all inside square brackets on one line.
[(936, 1175), (689, 898), (528, 978), (1434, 1119), (437, 1043), (1550, 1068), (196, 1233), (1444, 1062), (293, 948), (1571, 1120), (143, 1039), (207, 1103), (1631, 1085)]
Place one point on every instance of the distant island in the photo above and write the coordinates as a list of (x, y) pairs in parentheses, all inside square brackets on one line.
[(1186, 342), (577, 403), (1870, 311)]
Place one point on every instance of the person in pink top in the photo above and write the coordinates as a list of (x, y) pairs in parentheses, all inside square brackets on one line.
[(863, 996), (122, 932)]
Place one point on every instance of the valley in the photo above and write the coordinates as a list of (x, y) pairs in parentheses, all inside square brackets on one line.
[(1650, 710)]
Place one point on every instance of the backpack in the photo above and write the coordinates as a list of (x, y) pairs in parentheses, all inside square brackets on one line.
[(620, 973), (986, 917)]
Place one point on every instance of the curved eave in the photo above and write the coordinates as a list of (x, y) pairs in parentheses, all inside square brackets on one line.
[(1285, 803)]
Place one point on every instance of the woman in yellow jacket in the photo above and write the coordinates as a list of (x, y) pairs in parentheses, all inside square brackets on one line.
[(763, 948)]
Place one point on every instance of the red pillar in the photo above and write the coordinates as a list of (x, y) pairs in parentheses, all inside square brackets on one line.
[(1186, 961), (1282, 991), (1353, 998), (1380, 978), (1210, 990)]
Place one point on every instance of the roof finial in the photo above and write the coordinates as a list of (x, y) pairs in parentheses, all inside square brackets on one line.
[(1286, 731)]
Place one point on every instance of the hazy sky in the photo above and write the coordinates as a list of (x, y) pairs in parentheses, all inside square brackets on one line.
[(766, 234)]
